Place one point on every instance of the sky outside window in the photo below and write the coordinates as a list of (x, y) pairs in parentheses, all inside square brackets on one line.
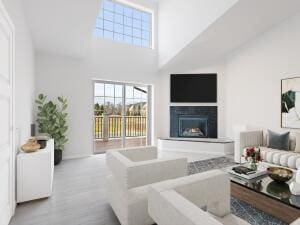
[(122, 23)]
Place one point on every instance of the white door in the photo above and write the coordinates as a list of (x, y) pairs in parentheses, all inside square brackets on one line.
[(7, 192)]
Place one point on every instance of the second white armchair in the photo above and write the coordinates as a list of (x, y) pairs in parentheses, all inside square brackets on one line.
[(181, 201)]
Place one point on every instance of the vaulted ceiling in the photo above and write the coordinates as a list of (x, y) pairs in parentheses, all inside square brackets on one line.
[(66, 26), (244, 21), (62, 26)]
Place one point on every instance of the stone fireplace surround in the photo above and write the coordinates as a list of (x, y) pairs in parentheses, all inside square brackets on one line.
[(208, 113)]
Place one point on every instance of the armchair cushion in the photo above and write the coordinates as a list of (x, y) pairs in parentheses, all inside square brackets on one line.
[(152, 171), (137, 154), (180, 201), (174, 209), (141, 171)]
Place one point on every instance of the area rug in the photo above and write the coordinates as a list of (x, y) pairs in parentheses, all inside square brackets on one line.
[(238, 208)]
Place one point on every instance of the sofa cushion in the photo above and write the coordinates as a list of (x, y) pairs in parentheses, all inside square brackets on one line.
[(264, 151), (278, 141), (284, 159), (277, 156), (292, 141), (298, 163), (281, 158), (292, 160), (297, 138)]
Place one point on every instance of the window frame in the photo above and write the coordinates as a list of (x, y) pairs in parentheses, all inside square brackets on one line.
[(138, 32)]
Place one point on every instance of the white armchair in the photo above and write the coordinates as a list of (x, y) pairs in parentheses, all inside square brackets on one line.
[(133, 169), (181, 201)]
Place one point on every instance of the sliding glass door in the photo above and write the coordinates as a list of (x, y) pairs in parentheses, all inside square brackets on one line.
[(120, 115), (136, 109)]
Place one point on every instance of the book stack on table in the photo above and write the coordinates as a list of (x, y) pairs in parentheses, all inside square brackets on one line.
[(247, 173)]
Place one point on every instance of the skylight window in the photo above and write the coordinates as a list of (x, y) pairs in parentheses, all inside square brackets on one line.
[(123, 23)]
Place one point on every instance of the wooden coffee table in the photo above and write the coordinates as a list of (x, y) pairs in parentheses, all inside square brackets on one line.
[(267, 195)]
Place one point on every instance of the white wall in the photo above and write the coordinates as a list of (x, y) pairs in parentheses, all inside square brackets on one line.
[(249, 80), (24, 70), (254, 73), (58, 74), (182, 21), (71, 77)]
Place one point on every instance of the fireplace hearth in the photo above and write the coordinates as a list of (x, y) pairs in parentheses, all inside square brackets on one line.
[(194, 121)]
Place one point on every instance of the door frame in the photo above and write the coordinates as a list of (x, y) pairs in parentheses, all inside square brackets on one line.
[(12, 198), (149, 125)]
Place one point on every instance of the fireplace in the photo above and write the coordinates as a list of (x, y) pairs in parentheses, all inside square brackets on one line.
[(194, 121), (192, 126)]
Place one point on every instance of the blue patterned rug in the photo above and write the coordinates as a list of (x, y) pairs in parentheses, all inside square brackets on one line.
[(238, 208)]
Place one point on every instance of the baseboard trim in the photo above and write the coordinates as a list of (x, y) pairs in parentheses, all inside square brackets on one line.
[(75, 156)]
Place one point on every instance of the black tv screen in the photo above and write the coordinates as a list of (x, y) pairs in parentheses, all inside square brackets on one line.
[(194, 88)]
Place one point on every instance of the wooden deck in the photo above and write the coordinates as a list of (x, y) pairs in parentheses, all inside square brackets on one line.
[(101, 146)]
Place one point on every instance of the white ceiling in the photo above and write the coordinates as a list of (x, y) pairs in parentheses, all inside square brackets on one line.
[(62, 26), (66, 26), (241, 23)]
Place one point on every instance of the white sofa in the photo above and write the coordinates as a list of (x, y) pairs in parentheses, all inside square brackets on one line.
[(258, 138), (133, 169), (181, 201)]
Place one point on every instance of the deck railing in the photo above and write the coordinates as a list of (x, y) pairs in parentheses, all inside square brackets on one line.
[(106, 126)]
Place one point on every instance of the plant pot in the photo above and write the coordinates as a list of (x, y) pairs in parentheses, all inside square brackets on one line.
[(57, 156)]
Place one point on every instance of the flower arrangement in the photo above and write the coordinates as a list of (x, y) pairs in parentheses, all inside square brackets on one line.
[(252, 155)]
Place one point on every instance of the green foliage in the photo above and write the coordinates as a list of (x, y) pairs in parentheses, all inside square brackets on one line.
[(288, 101), (51, 119), (98, 109)]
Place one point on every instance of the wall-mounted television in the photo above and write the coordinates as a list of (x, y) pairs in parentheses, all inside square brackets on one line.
[(194, 88)]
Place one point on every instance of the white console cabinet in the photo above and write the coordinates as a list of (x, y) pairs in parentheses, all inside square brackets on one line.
[(35, 173)]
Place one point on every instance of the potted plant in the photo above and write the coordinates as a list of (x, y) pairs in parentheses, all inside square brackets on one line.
[(51, 119)]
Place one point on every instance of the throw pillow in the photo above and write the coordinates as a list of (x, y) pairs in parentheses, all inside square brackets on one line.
[(278, 141), (297, 138)]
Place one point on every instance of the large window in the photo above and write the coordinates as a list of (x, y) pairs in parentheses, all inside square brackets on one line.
[(123, 23)]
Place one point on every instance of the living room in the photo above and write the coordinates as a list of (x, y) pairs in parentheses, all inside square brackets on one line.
[(155, 101)]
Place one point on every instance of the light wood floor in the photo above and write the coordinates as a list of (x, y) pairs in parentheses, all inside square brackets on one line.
[(78, 198)]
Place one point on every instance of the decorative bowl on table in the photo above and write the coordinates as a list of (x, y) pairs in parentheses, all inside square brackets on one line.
[(280, 174)]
